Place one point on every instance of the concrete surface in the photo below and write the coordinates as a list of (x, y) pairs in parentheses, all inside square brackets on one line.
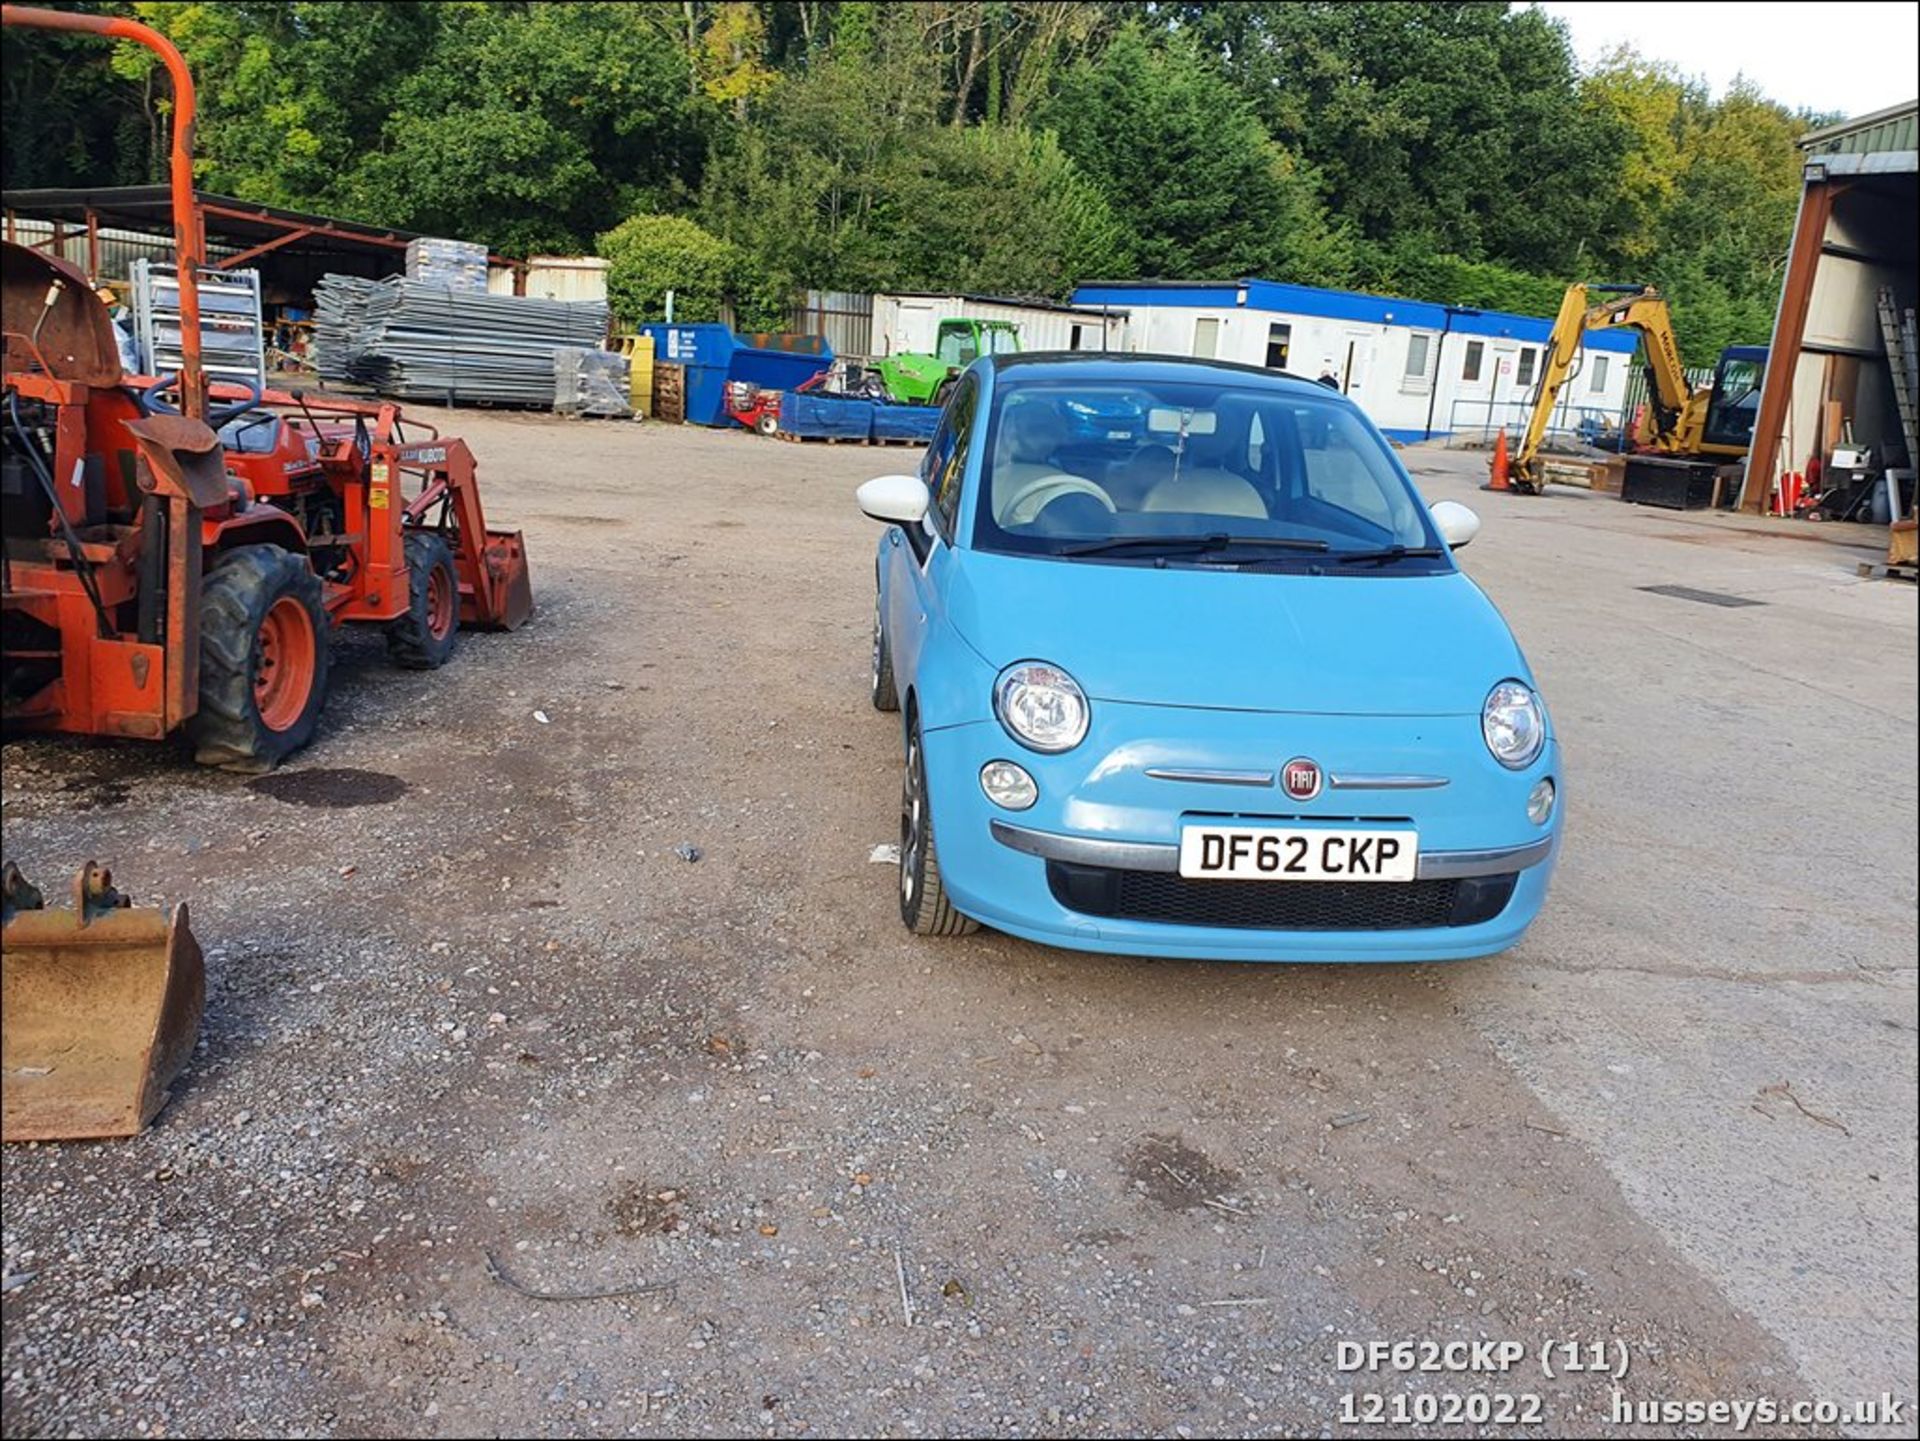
[(465, 998)]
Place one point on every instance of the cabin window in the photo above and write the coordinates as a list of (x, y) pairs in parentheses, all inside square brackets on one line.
[(1206, 337), (1599, 373), (1279, 342), (1471, 370)]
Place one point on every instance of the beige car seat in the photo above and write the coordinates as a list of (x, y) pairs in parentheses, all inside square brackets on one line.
[(1207, 492)]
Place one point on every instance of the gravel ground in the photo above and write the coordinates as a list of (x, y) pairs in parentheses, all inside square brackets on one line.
[(475, 1024)]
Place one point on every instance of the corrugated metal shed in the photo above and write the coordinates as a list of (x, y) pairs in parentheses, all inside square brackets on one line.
[(1895, 128)]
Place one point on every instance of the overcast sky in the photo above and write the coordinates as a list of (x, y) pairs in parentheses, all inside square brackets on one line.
[(1850, 58)]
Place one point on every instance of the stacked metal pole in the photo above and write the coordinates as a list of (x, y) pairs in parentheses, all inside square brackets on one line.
[(415, 341)]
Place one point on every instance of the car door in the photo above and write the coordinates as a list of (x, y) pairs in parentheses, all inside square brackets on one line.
[(918, 557)]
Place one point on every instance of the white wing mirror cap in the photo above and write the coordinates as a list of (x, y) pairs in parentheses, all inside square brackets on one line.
[(1458, 524), (894, 499)]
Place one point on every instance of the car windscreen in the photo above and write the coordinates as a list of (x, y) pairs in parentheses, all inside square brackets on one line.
[(1150, 472)]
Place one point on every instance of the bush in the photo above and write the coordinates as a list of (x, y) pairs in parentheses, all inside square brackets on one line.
[(648, 255)]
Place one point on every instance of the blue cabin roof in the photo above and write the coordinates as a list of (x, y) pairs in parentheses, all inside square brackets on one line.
[(1283, 299)]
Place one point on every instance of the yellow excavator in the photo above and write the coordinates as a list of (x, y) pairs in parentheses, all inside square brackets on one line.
[(1680, 420)]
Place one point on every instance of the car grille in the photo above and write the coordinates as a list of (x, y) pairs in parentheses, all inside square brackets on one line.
[(1278, 905)]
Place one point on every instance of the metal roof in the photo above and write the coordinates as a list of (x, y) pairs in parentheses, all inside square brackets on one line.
[(245, 222), (1895, 128), (1316, 301)]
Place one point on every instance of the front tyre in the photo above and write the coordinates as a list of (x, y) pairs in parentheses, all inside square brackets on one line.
[(886, 696), (923, 901), (263, 659), (424, 638)]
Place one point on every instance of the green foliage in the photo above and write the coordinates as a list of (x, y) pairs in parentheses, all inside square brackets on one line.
[(1450, 151), (878, 195), (649, 255), (1203, 192)]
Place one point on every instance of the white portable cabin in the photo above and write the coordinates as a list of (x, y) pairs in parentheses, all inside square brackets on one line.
[(1420, 370), (906, 323)]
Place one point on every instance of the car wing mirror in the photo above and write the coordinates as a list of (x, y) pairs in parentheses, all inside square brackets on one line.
[(1458, 524), (894, 499)]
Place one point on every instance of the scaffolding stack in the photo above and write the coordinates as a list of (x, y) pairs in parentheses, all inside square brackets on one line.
[(415, 341)]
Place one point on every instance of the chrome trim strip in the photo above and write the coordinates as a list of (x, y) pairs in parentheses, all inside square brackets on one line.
[(1160, 856), (1087, 850), (1457, 865), (1211, 777), (1361, 782)]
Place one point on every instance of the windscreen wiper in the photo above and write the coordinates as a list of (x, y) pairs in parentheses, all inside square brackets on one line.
[(1388, 555), (1190, 544)]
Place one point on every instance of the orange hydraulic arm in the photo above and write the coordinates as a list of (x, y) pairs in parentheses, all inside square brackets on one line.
[(188, 239)]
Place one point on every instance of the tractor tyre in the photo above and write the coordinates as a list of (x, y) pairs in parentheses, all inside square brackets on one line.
[(263, 659), (924, 906), (943, 390), (424, 638)]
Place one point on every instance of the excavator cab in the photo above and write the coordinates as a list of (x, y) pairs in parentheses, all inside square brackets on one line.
[(1735, 402)]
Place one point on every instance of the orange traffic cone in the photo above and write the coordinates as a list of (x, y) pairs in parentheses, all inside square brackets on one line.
[(1497, 467)]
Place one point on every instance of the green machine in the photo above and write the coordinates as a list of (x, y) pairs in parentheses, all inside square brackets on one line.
[(917, 379)]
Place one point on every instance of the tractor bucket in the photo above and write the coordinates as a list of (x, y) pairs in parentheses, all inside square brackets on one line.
[(101, 1007), (509, 585)]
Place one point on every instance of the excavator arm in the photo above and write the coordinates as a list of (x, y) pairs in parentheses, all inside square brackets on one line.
[(1640, 308)]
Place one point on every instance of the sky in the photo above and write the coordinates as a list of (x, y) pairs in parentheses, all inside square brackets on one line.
[(1845, 58)]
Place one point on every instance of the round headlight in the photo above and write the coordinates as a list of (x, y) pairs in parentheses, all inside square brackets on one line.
[(1041, 706), (1008, 785), (1514, 725)]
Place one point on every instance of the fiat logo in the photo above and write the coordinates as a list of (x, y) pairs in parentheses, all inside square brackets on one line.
[(1300, 778)]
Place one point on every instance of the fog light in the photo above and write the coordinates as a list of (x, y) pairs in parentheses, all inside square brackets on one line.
[(1540, 803), (1008, 786)]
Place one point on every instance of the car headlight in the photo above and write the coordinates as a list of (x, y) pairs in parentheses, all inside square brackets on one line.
[(1041, 706), (1514, 724)]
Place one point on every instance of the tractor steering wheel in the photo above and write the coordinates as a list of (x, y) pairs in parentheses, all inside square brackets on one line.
[(150, 403)]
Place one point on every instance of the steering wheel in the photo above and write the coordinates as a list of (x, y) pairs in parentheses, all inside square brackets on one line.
[(150, 403), (1029, 500)]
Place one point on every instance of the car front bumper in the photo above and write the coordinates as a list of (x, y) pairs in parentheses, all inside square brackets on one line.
[(1093, 865)]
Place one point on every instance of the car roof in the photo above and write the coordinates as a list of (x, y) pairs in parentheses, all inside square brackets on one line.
[(1148, 369)]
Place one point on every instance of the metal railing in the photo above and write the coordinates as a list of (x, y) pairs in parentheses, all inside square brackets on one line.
[(1601, 426)]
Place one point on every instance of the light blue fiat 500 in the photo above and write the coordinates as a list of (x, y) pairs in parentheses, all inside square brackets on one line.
[(1206, 682)]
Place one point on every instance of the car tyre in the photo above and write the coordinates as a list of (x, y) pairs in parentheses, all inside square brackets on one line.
[(923, 900), (886, 696)]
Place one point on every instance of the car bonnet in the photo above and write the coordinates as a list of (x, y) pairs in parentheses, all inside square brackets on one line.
[(1358, 643)]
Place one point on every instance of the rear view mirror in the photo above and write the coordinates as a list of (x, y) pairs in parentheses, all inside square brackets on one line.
[(894, 499), (1167, 420), (1458, 525)]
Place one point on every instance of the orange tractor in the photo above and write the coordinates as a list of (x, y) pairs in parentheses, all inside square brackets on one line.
[(180, 566), (173, 567)]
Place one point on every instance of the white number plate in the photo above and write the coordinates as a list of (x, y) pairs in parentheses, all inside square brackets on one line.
[(1245, 853)]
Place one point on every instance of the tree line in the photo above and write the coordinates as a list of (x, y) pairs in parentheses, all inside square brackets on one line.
[(742, 150)]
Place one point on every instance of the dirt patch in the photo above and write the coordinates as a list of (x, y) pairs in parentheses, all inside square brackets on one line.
[(1173, 1174), (641, 1210), (331, 788), (85, 794)]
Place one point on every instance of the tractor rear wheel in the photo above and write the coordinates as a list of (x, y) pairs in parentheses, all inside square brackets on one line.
[(423, 638), (263, 658)]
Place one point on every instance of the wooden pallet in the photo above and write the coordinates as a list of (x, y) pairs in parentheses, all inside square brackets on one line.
[(896, 440), (820, 439), (670, 393), (1872, 570)]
